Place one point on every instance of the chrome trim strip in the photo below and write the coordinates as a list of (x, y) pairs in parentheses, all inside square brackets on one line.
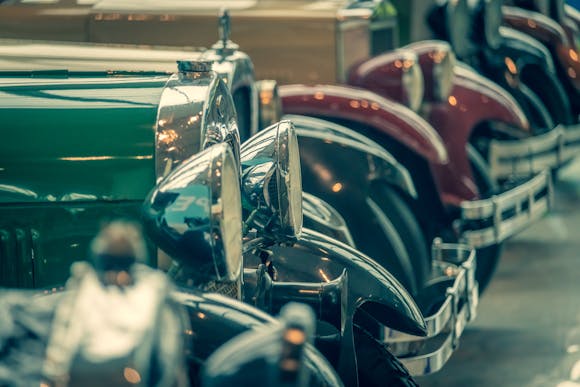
[(526, 157), (455, 262), (507, 213)]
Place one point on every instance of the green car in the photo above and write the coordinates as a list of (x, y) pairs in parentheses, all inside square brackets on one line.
[(83, 147)]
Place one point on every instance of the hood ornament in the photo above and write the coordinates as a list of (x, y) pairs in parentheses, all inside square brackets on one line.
[(224, 45)]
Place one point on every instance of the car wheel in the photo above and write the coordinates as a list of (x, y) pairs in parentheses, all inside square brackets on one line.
[(487, 257), (376, 365)]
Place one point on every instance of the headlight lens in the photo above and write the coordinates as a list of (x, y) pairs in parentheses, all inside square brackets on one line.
[(272, 183), (194, 215), (230, 218), (290, 173), (413, 83)]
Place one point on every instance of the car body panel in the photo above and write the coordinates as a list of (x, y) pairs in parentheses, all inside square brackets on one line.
[(83, 148), (64, 139)]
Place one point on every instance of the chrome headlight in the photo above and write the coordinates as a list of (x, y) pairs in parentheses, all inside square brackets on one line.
[(413, 86), (196, 111), (194, 215), (443, 64), (271, 181), (492, 21)]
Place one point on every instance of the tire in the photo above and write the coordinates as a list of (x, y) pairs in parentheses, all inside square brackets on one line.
[(487, 257), (376, 365), (407, 228)]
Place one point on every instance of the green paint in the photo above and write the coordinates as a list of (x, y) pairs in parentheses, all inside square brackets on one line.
[(75, 151)]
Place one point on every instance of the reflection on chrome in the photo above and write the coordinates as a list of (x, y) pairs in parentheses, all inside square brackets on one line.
[(453, 281)]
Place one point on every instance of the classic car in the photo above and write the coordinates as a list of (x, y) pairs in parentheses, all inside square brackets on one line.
[(529, 61), (345, 34), (47, 223), (383, 166), (107, 56)]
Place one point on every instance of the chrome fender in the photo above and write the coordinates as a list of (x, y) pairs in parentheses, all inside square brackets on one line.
[(316, 258)]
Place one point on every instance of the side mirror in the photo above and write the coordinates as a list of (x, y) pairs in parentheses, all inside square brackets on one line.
[(271, 181), (194, 215)]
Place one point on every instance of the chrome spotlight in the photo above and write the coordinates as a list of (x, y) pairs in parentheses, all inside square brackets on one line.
[(271, 181), (194, 215)]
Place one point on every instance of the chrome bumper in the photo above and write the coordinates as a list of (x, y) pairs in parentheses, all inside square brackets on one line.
[(453, 281), (490, 221), (533, 155)]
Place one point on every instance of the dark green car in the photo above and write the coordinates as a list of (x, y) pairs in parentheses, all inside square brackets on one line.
[(79, 148)]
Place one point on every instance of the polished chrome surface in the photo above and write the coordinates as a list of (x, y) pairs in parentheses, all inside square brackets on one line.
[(236, 69), (507, 213), (194, 215), (453, 265), (196, 110), (271, 181), (525, 157)]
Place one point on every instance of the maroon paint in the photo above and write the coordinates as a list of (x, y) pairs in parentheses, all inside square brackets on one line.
[(472, 100), (393, 120)]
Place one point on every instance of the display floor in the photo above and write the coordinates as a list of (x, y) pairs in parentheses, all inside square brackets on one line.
[(527, 332)]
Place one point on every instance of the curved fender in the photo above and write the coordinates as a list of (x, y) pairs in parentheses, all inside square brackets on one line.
[(384, 121), (520, 51), (473, 99), (372, 162), (365, 107), (549, 33), (322, 217), (317, 258), (216, 319), (524, 50), (535, 24)]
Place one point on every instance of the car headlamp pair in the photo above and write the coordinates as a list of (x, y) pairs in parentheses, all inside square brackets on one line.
[(195, 213)]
